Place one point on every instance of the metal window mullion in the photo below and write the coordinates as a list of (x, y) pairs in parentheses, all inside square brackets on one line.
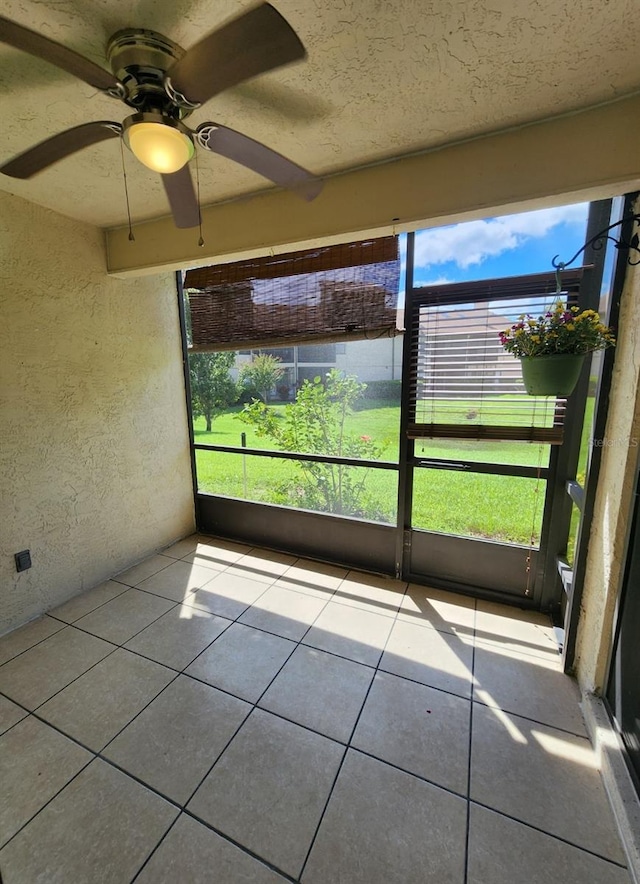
[(521, 470), (407, 414), (593, 470), (555, 527), (299, 455), (187, 384)]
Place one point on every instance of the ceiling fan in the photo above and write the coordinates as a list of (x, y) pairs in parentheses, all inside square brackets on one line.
[(164, 84)]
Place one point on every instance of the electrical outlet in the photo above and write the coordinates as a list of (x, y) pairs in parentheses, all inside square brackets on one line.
[(23, 560)]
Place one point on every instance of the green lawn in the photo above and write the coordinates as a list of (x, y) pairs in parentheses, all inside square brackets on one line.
[(500, 507)]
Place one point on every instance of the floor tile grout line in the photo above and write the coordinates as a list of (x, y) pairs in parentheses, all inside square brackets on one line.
[(554, 727), (35, 644), (11, 726), (222, 751), (235, 619), (251, 853), (181, 671), (249, 626), (537, 652), (140, 711), (470, 747), (116, 647), (210, 614), (183, 810), (131, 585), (232, 621), (423, 683), (328, 589), (404, 770), (53, 797), (305, 727), (297, 641), (557, 837), (348, 746), (300, 642), (323, 813), (98, 755), (173, 561), (84, 671), (59, 619), (253, 704), (76, 625), (155, 849), (138, 780)]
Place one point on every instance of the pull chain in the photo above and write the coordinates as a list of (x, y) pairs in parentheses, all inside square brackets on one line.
[(126, 192), (200, 240)]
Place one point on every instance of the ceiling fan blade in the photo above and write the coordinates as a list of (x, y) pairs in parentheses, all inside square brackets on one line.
[(257, 41), (258, 157), (29, 41), (182, 198), (58, 147)]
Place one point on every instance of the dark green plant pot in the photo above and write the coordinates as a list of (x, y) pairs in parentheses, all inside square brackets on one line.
[(554, 375)]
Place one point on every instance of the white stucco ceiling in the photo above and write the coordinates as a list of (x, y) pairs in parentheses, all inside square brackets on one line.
[(384, 78)]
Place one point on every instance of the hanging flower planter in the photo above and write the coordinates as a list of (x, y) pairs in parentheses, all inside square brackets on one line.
[(555, 375), (552, 348)]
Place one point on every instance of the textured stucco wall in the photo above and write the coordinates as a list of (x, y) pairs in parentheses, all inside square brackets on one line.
[(94, 459), (609, 528)]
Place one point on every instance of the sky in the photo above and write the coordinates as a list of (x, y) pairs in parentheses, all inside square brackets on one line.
[(508, 245)]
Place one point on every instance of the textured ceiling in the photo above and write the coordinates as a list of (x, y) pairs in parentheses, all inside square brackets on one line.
[(383, 78)]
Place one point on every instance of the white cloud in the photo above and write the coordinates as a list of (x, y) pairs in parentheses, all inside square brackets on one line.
[(440, 280), (473, 242)]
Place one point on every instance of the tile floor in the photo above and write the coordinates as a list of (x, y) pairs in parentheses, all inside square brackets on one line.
[(218, 713)]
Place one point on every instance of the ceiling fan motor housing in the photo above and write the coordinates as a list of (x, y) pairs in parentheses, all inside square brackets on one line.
[(140, 59)]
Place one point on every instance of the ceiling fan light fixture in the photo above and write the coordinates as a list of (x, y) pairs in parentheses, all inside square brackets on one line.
[(160, 143)]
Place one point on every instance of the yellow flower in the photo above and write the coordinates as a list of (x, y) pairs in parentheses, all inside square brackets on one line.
[(535, 339), (570, 326)]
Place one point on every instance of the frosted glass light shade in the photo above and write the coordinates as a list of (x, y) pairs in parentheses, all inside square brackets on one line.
[(160, 146)]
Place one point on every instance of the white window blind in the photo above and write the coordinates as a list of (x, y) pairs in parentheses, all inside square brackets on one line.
[(463, 383)]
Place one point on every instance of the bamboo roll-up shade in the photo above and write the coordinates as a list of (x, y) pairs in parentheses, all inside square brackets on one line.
[(463, 383), (336, 293)]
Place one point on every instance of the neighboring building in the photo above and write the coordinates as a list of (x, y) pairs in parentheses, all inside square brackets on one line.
[(460, 353), (373, 360)]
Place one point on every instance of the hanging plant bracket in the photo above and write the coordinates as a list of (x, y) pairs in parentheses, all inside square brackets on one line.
[(602, 237)]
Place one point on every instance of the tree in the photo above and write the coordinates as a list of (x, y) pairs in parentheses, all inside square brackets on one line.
[(315, 424), (212, 387), (261, 375)]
